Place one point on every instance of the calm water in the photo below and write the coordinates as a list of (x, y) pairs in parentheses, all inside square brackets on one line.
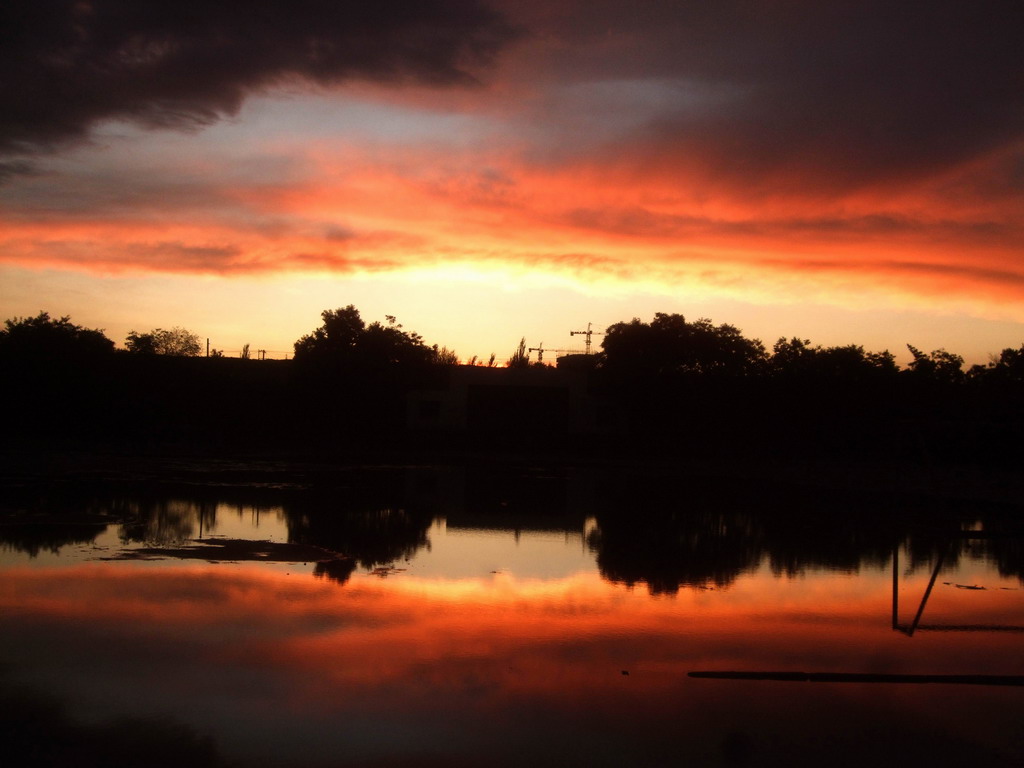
[(529, 618)]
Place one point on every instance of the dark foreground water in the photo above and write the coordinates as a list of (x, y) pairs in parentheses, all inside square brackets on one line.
[(449, 617)]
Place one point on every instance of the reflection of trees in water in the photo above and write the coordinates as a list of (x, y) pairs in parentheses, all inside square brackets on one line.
[(699, 549), (1001, 544), (669, 534), (166, 521), (672, 531), (1008, 555), (368, 537), (162, 520), (362, 515), (665, 532), (335, 570), (47, 520), (35, 519), (824, 538), (33, 538)]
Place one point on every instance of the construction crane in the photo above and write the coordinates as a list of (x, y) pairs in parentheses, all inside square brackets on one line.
[(539, 349), (588, 333)]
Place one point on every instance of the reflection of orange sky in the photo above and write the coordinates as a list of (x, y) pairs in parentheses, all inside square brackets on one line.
[(506, 663), (395, 625)]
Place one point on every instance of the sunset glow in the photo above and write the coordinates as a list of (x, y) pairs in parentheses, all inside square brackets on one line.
[(852, 176)]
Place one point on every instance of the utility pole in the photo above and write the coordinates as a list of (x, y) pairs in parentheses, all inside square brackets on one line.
[(588, 333)]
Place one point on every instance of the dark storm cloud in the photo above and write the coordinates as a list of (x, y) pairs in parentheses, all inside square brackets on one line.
[(9, 168), (834, 92), (67, 64)]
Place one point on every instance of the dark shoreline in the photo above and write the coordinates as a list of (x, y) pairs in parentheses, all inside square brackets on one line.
[(78, 463)]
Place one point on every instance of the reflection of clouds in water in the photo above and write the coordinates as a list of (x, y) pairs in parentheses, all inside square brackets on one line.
[(475, 661), (499, 641)]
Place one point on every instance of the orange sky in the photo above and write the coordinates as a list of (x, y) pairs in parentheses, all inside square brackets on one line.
[(852, 175)]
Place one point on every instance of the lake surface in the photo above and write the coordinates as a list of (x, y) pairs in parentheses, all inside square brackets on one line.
[(529, 617)]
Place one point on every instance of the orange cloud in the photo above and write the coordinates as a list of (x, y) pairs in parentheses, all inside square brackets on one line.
[(779, 154), (590, 221)]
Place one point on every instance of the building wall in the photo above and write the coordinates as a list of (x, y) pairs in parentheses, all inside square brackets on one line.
[(477, 399)]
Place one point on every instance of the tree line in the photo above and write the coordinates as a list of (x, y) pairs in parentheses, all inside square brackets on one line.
[(673, 383), (668, 347)]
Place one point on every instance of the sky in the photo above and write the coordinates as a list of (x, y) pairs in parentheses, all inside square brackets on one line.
[(486, 170)]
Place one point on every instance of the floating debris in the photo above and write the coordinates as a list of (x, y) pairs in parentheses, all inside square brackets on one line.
[(225, 550), (386, 570)]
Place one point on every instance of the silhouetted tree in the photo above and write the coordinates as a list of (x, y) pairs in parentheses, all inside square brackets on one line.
[(1008, 367), (520, 358), (796, 358), (1010, 364), (54, 339), (175, 342), (336, 338), (355, 376), (792, 355), (939, 366), (670, 346), (390, 345), (837, 396), (445, 356), (344, 339), (57, 376)]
